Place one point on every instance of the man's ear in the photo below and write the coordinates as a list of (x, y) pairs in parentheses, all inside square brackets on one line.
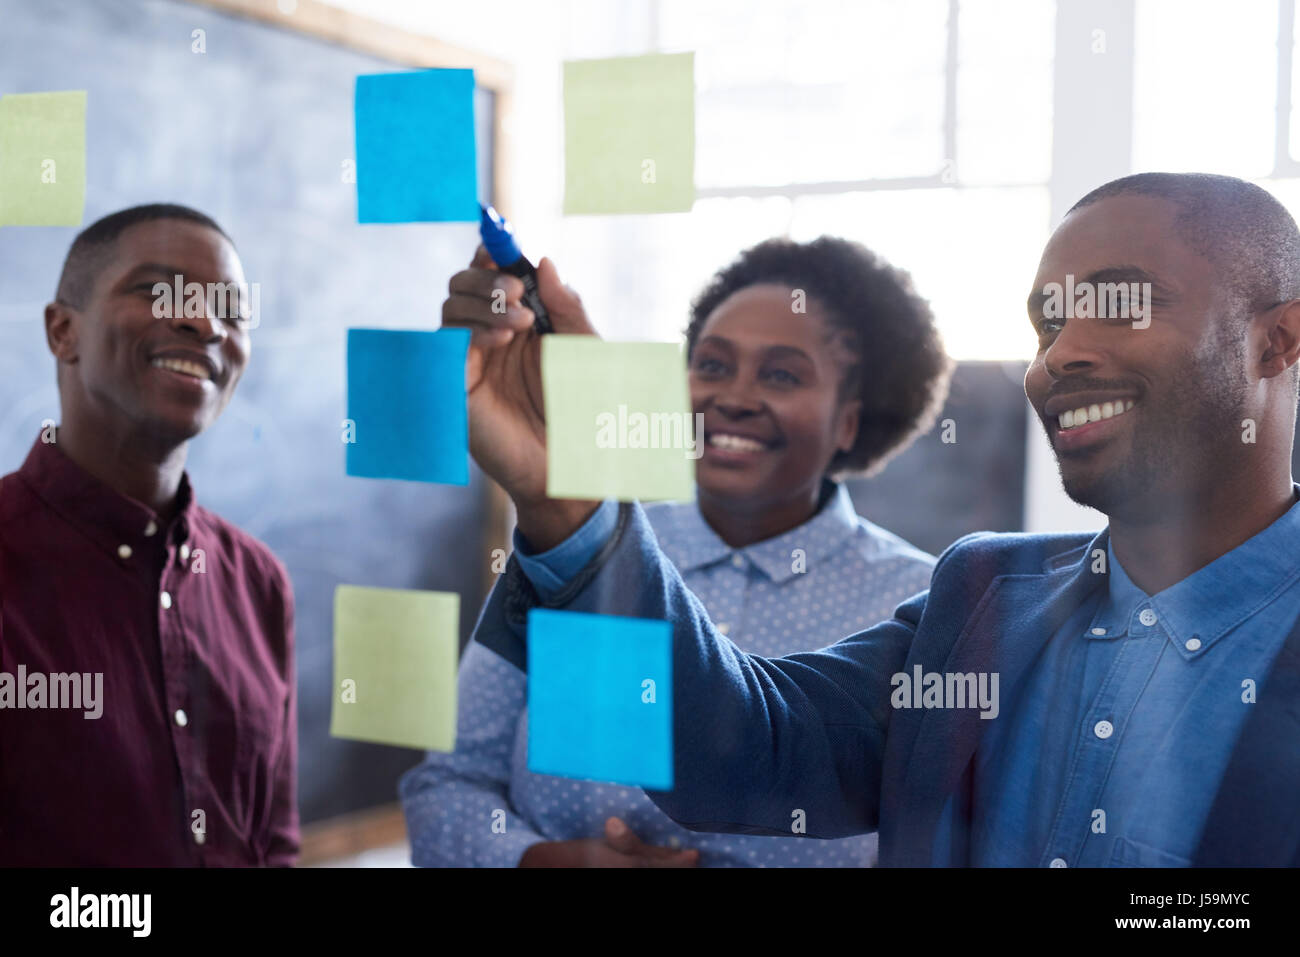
[(850, 415), (61, 331), (1283, 331)]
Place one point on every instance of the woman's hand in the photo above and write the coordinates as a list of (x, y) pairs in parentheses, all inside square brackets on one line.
[(619, 848)]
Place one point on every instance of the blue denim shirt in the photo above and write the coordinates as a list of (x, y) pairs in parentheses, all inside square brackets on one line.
[(1114, 753), (1114, 748)]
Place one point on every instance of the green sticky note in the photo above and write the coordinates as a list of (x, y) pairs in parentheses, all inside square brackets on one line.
[(618, 420), (629, 134), (395, 666), (43, 159)]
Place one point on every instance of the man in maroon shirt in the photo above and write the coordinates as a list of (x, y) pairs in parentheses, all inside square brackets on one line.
[(147, 694)]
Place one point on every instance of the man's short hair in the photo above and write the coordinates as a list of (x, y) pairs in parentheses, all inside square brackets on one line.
[(1247, 235), (92, 248)]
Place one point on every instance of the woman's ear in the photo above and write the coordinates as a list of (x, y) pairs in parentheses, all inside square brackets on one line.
[(61, 331), (846, 428)]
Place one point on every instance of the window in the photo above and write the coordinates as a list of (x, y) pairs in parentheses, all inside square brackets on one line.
[(1205, 86), (921, 129)]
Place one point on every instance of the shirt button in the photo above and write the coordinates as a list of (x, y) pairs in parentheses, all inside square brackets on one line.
[(1099, 631), (1103, 729), (150, 528), (1058, 862), (185, 553), (738, 560), (165, 599), (124, 551), (724, 627), (1147, 617), (1193, 643), (182, 719)]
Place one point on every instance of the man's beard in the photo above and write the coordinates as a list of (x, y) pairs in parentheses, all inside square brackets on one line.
[(1177, 444)]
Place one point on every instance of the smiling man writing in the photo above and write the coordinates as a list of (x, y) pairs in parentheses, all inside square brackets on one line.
[(1149, 674), (108, 565), (807, 362)]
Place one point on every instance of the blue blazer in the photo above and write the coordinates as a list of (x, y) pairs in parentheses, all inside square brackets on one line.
[(757, 737)]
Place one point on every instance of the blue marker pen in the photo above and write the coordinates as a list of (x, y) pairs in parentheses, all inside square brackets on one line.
[(499, 239)]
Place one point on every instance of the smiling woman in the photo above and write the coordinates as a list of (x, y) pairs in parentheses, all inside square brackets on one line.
[(806, 360)]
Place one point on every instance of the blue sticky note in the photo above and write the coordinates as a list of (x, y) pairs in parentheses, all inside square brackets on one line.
[(407, 417), (600, 698), (415, 147)]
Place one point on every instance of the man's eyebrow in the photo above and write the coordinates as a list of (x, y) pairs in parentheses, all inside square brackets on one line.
[(160, 268), (1108, 274), (1124, 274)]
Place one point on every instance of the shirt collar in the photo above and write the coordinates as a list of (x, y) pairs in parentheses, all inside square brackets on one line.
[(1213, 600), (104, 515), (693, 544)]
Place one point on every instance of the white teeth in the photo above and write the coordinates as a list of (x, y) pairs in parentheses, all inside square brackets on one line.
[(1073, 418), (183, 366), (735, 443)]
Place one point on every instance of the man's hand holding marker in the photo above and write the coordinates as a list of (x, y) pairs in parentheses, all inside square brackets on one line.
[(507, 437), (503, 378)]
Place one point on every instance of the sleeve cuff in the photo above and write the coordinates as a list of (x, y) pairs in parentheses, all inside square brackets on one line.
[(551, 570)]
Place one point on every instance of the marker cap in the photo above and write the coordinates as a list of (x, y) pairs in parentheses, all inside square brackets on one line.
[(498, 237)]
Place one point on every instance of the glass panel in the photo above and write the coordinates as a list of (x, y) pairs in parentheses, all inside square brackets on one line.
[(811, 92), (1004, 91), (1205, 86), (972, 252)]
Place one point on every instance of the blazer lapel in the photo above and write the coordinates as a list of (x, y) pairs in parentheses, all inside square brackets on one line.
[(1255, 819), (1016, 617)]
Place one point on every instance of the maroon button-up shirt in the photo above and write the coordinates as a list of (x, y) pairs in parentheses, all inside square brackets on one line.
[(192, 758)]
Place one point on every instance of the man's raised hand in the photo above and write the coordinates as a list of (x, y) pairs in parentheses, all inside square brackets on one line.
[(507, 421)]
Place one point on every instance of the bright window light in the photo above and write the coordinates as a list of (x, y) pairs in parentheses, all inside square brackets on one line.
[(1205, 87)]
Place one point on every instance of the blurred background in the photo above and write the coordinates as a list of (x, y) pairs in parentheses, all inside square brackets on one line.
[(949, 136)]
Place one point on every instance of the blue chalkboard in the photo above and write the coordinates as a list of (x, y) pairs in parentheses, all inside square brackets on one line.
[(934, 492)]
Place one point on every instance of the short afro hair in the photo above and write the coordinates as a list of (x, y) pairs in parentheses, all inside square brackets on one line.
[(900, 370), (92, 248), (1247, 235)]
